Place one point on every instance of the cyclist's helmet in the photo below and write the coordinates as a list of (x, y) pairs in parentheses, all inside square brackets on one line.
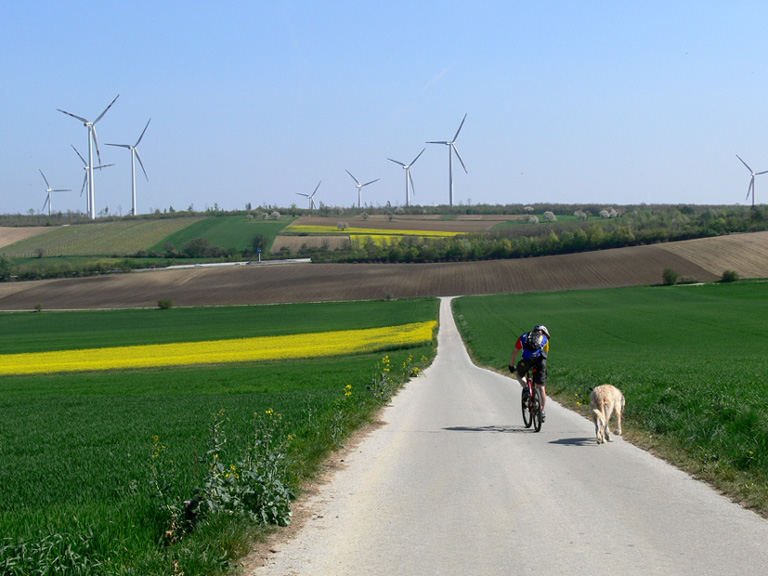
[(543, 329)]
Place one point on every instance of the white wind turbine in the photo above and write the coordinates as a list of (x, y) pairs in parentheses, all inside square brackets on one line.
[(311, 197), (360, 186), (451, 149), (751, 187), (92, 140), (408, 177), (88, 172), (134, 155), (49, 193)]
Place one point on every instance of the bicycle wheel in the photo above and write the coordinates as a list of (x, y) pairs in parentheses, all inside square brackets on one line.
[(525, 401), (536, 410)]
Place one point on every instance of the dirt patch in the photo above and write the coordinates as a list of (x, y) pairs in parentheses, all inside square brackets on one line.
[(11, 235), (295, 243)]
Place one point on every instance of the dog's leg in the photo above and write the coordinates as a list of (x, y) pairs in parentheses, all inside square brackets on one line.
[(618, 420), (599, 419), (608, 414)]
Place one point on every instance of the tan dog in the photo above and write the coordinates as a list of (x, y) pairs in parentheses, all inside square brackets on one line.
[(604, 401)]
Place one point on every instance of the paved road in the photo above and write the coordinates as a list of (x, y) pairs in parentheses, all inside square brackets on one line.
[(454, 485)]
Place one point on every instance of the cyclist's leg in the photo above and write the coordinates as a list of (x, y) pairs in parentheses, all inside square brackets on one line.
[(521, 369)]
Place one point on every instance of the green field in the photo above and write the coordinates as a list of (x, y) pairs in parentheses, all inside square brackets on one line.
[(691, 361), (229, 232), (97, 465)]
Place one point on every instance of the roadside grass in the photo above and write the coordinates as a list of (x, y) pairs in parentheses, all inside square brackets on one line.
[(690, 359), (231, 232), (97, 465)]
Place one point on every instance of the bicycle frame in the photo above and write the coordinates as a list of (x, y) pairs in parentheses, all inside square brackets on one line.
[(531, 402)]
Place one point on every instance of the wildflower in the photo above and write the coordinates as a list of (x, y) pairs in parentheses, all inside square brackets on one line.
[(348, 390)]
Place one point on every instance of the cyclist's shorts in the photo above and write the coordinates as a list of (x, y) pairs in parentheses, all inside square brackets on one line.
[(539, 363)]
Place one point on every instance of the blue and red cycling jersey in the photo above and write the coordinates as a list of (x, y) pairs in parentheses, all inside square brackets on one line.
[(520, 345)]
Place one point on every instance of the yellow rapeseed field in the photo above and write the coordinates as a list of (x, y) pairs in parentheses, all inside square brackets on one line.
[(309, 345), (327, 230)]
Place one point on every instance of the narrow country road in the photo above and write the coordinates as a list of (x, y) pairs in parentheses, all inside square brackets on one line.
[(453, 484)]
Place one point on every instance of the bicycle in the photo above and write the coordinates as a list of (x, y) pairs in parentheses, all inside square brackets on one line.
[(530, 401)]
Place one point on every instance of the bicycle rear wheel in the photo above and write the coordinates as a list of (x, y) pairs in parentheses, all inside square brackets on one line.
[(525, 401), (536, 410)]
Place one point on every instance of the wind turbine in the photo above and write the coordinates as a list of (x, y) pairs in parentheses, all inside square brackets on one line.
[(360, 186), (408, 177), (751, 187), (49, 193), (451, 149), (134, 155), (311, 197), (92, 140), (88, 172)]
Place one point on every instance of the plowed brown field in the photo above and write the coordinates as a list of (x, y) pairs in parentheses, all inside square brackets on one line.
[(703, 259), (9, 235)]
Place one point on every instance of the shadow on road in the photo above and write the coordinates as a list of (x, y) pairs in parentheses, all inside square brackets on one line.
[(575, 442), (498, 428)]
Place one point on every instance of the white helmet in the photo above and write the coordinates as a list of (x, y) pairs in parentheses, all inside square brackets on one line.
[(542, 328)]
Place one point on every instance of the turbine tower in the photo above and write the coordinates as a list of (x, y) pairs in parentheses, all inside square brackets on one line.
[(408, 177), (311, 197), (360, 186), (751, 187), (88, 171), (134, 155), (49, 193), (92, 140), (451, 149)]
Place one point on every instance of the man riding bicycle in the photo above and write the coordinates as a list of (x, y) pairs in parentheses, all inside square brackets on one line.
[(535, 348)]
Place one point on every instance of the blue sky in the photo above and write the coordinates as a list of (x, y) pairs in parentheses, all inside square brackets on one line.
[(254, 102)]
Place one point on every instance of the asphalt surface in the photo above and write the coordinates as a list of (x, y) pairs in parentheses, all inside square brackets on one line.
[(453, 484)]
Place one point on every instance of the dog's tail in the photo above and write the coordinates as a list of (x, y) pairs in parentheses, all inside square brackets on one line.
[(599, 416)]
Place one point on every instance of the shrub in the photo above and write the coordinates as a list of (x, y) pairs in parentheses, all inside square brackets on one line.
[(729, 276), (165, 304), (669, 277)]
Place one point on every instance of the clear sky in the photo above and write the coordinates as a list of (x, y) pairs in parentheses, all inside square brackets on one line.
[(612, 102)]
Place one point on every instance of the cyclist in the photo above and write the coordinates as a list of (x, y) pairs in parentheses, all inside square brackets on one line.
[(535, 348)]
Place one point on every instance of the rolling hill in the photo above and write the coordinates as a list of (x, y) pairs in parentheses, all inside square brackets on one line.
[(704, 260)]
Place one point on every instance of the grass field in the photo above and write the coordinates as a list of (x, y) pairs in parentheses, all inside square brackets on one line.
[(231, 232), (97, 465), (690, 359)]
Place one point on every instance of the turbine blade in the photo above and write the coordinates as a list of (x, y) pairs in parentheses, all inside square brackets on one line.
[(316, 187), (120, 145), (61, 190), (81, 156), (413, 190), (141, 163), (745, 164), (44, 178), (353, 178), (751, 186), (100, 166), (142, 133), (85, 179), (105, 109), (47, 200), (302, 194), (763, 172), (96, 143), (438, 142), (417, 157), (459, 130), (83, 120), (459, 157), (396, 162), (371, 182)]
